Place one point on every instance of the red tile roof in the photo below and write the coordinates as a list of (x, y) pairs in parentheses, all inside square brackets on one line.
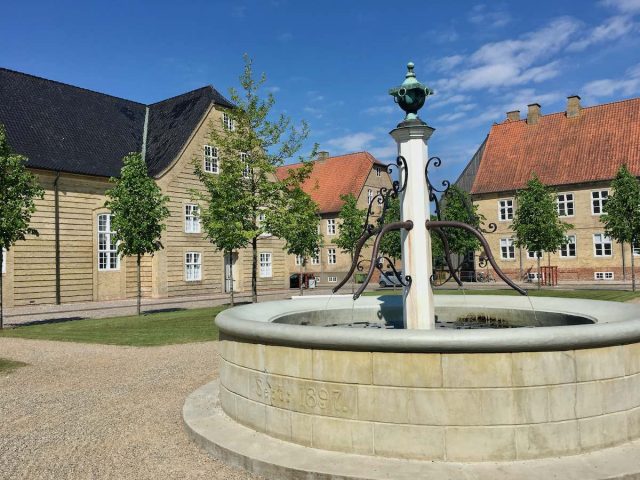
[(335, 176), (561, 150)]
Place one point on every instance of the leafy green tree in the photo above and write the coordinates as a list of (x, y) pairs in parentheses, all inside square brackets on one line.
[(457, 205), (297, 224), (139, 209), (250, 147), (350, 229), (536, 224), (621, 216), (18, 190)]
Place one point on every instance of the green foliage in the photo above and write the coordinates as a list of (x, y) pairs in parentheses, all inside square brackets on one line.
[(18, 189), (248, 156), (536, 224), (350, 228), (138, 208), (296, 222), (457, 205), (621, 216), (391, 243)]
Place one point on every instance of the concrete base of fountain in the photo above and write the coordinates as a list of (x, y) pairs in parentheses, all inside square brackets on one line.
[(447, 396)]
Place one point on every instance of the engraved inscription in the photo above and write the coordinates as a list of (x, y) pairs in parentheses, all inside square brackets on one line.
[(303, 396)]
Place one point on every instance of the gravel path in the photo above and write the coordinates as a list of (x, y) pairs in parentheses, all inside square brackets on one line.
[(82, 411)]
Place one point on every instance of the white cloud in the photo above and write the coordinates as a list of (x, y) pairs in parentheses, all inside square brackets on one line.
[(480, 15), (612, 29), (353, 142), (447, 63), (385, 152), (628, 85), (439, 101), (514, 61), (316, 112), (626, 6), (451, 117)]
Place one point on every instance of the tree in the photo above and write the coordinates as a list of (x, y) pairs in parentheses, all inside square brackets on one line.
[(18, 190), (250, 147), (457, 205), (139, 209), (621, 216), (297, 223), (536, 224), (226, 217), (353, 219)]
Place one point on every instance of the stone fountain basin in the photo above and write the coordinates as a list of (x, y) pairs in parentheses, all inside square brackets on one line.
[(569, 386)]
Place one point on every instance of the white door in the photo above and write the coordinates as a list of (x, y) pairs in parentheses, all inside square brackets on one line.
[(230, 266)]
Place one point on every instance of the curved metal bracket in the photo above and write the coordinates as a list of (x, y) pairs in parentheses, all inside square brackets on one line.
[(447, 255), (435, 224)]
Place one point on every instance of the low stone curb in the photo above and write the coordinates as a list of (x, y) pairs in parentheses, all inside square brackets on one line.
[(274, 459)]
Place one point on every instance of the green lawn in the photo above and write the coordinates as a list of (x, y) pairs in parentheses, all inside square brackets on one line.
[(164, 328), (610, 295), (8, 366)]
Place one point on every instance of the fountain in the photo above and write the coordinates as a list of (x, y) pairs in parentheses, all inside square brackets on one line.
[(417, 394)]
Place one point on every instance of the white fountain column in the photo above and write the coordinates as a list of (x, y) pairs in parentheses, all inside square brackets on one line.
[(412, 138)]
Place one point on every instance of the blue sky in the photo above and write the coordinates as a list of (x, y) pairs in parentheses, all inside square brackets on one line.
[(332, 62)]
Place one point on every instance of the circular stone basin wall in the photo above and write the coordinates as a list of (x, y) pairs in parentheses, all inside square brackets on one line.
[(452, 395)]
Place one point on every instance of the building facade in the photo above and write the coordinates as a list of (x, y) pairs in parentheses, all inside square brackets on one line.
[(577, 153), (359, 174), (75, 140)]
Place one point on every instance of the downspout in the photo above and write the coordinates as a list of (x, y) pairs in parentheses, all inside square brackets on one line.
[(56, 194)]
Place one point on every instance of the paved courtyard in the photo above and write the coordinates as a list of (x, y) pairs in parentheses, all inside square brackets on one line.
[(97, 411)]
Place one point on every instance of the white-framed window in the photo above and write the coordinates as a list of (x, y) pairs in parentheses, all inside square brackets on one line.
[(598, 201), (299, 260), (4, 261), (315, 260), (565, 204), (533, 254), (211, 163), (191, 218), (636, 249), (568, 250), (228, 122), (192, 266), (603, 275), (332, 279), (331, 256), (266, 267), (331, 226), (601, 245), (505, 209), (507, 249), (108, 258), (378, 171), (369, 196), (246, 169)]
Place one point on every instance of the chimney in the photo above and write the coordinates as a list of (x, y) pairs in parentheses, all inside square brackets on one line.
[(322, 155), (513, 116), (533, 113), (573, 106)]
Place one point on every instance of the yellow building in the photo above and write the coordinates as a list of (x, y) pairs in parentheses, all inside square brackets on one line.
[(75, 140), (359, 174), (578, 153)]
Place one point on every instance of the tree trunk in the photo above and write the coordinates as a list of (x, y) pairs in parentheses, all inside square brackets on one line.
[(1, 275), (231, 289), (300, 278), (624, 266), (538, 257), (254, 270), (139, 286), (633, 272), (353, 276)]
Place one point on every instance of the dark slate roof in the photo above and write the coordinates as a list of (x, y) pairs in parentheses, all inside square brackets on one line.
[(65, 128)]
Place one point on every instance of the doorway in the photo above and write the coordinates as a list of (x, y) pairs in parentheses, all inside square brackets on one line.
[(231, 272)]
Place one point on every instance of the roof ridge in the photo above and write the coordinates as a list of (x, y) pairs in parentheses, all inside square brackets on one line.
[(563, 112), (70, 85), (181, 95), (370, 157)]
